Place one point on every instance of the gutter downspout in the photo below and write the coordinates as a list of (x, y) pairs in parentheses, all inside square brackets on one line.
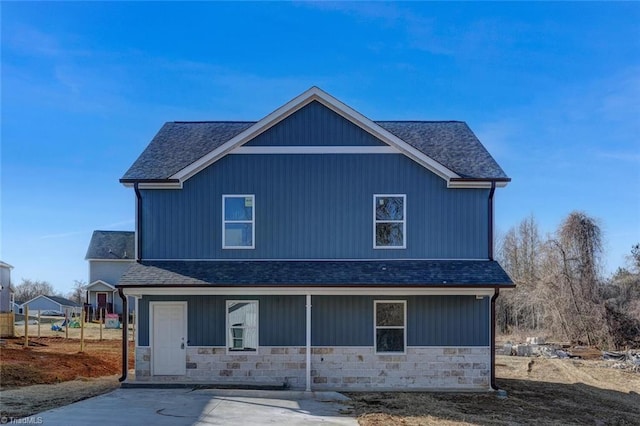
[(490, 228), (138, 222), (493, 339), (125, 336)]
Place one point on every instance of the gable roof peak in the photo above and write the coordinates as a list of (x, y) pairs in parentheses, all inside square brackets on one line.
[(209, 141)]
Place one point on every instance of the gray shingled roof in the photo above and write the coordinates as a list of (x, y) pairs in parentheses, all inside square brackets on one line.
[(111, 245), (430, 273), (63, 301), (450, 143), (179, 144)]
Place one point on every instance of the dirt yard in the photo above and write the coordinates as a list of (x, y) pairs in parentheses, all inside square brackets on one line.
[(546, 392), (60, 373), (553, 392)]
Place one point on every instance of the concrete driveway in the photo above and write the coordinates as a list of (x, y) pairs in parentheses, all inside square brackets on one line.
[(201, 407)]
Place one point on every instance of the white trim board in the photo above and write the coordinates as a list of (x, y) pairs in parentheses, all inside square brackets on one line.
[(313, 260), (329, 149), (484, 184), (88, 287), (301, 291), (111, 260)]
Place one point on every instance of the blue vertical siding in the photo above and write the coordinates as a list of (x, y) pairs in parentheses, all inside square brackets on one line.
[(447, 321), (315, 206), (315, 125), (431, 320), (341, 321), (281, 319), (336, 320)]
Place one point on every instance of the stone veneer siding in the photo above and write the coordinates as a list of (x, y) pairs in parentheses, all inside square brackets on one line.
[(334, 368), (273, 366), (359, 368)]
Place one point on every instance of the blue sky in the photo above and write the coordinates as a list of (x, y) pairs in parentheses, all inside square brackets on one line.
[(551, 89)]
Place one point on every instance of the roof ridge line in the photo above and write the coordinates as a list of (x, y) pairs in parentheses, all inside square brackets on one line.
[(213, 121)]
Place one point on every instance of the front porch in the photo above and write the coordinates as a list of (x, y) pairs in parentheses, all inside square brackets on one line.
[(336, 369)]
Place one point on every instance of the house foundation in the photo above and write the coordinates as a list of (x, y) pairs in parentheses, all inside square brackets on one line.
[(332, 368)]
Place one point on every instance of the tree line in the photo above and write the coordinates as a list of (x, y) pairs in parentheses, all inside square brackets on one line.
[(560, 287), (28, 289)]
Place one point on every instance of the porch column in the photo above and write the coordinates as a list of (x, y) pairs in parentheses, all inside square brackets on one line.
[(308, 374)]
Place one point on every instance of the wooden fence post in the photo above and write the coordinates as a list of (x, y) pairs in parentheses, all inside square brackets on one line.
[(82, 330), (26, 326), (38, 323), (66, 323), (101, 322)]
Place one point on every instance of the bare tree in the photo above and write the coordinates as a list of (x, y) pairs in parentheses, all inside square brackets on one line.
[(621, 296), (520, 252), (28, 289), (573, 279), (78, 292), (560, 288)]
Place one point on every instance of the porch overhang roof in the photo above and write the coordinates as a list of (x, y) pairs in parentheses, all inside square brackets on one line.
[(317, 274), (98, 283)]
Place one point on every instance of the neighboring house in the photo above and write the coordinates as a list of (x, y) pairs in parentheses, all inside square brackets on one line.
[(316, 249), (51, 304), (16, 306), (7, 318), (110, 253), (6, 290)]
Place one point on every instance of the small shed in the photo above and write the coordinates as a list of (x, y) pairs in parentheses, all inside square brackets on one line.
[(52, 303)]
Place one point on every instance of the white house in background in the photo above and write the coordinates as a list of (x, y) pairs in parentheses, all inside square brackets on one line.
[(6, 291), (51, 304), (110, 254)]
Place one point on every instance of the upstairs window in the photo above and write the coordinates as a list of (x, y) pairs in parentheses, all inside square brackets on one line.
[(389, 221), (238, 221), (390, 319), (242, 325)]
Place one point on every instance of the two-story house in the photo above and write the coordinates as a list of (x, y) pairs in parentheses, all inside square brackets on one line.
[(110, 253), (315, 249)]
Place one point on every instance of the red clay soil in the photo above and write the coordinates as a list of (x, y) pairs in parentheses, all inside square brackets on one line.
[(55, 359)]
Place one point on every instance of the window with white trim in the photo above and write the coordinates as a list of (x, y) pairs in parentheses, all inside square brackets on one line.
[(238, 221), (242, 325), (390, 318), (389, 221)]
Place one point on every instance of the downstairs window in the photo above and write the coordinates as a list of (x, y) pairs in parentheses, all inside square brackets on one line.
[(390, 331), (242, 325)]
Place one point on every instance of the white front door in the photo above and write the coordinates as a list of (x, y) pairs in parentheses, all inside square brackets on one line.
[(169, 338)]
